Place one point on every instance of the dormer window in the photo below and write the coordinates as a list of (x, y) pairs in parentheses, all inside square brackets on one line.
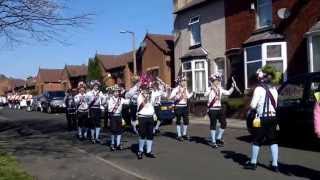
[(264, 13)]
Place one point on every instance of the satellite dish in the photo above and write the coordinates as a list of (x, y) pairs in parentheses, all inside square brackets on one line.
[(284, 13)]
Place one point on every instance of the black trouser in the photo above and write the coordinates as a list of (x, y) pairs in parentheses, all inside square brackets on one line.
[(182, 112), (106, 118), (133, 112), (82, 119), (217, 115), (146, 125), (71, 119), (267, 132), (115, 124), (95, 118)]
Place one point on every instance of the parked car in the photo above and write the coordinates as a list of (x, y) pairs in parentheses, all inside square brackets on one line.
[(166, 113), (52, 101), (295, 106)]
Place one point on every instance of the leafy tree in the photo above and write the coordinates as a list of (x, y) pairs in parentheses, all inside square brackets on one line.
[(94, 70)]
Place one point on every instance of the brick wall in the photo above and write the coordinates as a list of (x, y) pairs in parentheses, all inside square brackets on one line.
[(153, 57)]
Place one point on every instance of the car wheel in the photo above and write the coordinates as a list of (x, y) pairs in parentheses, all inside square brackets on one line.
[(49, 110)]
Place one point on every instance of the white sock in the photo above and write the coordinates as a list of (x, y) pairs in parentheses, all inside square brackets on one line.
[(213, 136), (97, 133), (141, 144), (79, 131), (220, 133), (149, 146), (85, 134), (158, 125), (185, 129), (92, 133), (255, 153), (179, 130), (118, 140), (112, 139), (274, 153)]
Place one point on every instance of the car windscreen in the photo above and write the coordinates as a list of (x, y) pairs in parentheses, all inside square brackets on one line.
[(56, 94)]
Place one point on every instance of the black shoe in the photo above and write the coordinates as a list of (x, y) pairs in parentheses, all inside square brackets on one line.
[(139, 155), (250, 165), (213, 145), (150, 155), (157, 132), (186, 137), (112, 148), (119, 148), (98, 141), (93, 141), (220, 143), (180, 139), (275, 168)]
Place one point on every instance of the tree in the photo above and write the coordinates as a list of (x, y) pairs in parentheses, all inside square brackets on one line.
[(94, 70), (41, 20)]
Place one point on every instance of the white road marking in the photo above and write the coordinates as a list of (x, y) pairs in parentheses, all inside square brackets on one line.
[(113, 164), (3, 118)]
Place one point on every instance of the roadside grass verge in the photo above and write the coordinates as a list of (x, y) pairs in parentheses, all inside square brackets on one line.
[(10, 169)]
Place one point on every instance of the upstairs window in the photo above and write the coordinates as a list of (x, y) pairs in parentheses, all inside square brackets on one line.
[(264, 13), (195, 31)]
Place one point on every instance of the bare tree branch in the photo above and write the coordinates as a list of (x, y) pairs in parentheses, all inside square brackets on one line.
[(42, 20)]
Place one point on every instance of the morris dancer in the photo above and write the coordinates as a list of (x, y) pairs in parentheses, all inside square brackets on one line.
[(81, 101), (145, 117), (159, 91), (264, 102), (96, 101), (70, 110), (132, 94), (115, 105), (215, 110), (29, 101), (181, 95)]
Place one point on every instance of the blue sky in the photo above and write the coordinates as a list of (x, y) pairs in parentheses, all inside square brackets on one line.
[(102, 36)]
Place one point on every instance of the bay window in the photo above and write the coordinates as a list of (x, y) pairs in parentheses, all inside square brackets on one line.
[(273, 54), (195, 31), (264, 13), (196, 72)]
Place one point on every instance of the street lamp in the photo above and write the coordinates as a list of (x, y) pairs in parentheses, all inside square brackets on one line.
[(133, 49)]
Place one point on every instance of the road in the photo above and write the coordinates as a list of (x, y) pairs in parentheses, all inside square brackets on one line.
[(47, 151)]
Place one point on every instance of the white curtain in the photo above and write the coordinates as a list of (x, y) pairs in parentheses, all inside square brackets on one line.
[(316, 53)]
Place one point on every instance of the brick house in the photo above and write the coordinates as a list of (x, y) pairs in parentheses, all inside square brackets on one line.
[(281, 33), (155, 56), (30, 85), (72, 75), (119, 66), (49, 80), (199, 30)]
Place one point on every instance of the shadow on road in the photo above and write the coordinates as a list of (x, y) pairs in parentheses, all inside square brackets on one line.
[(294, 143), (286, 169)]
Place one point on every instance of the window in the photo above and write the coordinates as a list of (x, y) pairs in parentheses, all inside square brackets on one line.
[(273, 54), (264, 13), (196, 72), (221, 69), (314, 53), (291, 93), (195, 31)]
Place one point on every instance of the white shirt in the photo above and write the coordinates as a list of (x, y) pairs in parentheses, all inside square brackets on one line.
[(212, 94), (113, 101), (177, 93), (92, 95), (133, 93), (157, 94), (148, 108), (258, 100), (81, 101)]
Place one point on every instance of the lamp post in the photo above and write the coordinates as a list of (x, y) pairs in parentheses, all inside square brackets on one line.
[(133, 49)]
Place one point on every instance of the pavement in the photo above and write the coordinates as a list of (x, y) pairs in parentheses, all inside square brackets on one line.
[(47, 151)]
